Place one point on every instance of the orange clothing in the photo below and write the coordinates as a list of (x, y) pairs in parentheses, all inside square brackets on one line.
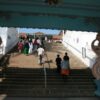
[(64, 71)]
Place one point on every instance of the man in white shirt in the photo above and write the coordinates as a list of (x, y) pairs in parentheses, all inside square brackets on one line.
[(40, 51)]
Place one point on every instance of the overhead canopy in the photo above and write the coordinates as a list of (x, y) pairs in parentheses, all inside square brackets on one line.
[(81, 15)]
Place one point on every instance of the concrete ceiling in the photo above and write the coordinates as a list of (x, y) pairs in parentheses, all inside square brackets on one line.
[(66, 14)]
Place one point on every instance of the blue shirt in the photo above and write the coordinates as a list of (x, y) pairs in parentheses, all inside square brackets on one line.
[(65, 64)]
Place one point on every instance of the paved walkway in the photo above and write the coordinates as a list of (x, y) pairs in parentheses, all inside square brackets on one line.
[(31, 61)]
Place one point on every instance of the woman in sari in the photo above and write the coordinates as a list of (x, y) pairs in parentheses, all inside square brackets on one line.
[(26, 47), (65, 65)]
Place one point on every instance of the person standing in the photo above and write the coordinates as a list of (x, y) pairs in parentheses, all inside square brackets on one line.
[(20, 46), (30, 47), (65, 65), (35, 44), (26, 47), (58, 63), (38, 42)]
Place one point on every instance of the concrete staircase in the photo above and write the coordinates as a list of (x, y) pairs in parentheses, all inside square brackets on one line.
[(20, 82)]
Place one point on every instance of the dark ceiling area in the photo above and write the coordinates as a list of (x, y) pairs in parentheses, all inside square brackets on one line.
[(55, 14)]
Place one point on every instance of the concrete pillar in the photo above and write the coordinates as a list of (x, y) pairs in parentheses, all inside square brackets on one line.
[(96, 66)]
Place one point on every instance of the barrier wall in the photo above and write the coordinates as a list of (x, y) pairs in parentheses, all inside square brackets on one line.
[(80, 44)]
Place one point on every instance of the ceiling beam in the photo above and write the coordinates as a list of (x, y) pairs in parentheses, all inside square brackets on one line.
[(67, 7), (67, 14), (50, 22)]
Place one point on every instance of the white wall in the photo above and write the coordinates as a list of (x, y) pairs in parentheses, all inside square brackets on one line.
[(9, 38), (3, 35), (80, 44), (12, 38)]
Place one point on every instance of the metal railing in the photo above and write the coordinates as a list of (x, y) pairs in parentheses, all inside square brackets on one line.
[(45, 76)]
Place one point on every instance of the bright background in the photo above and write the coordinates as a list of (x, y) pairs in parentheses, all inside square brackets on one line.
[(31, 30)]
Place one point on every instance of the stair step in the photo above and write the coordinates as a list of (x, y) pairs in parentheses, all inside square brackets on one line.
[(48, 92), (30, 86), (36, 75), (52, 79), (51, 84), (29, 82)]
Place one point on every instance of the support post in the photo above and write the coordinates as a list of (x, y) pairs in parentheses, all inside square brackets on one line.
[(96, 66)]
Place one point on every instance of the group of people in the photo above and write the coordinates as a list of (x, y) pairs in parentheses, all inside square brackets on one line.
[(28, 46), (63, 64)]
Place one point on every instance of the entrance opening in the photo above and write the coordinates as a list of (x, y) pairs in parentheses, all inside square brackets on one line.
[(23, 76)]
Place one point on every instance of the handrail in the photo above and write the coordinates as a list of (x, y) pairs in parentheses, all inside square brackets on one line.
[(45, 76), (78, 51), (47, 59)]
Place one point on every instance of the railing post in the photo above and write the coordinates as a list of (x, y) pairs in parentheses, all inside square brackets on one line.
[(45, 77)]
